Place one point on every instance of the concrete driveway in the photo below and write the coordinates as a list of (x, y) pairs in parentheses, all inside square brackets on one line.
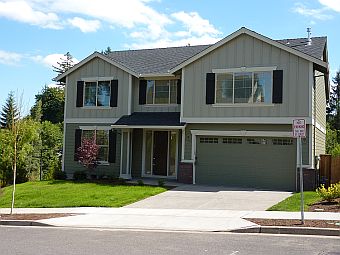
[(212, 198)]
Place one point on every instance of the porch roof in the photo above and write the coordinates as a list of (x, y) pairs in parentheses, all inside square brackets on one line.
[(150, 120)]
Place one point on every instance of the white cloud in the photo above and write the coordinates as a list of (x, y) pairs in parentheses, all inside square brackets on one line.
[(195, 24), (332, 4), (21, 11), (85, 26), (319, 14), (51, 59), (10, 58)]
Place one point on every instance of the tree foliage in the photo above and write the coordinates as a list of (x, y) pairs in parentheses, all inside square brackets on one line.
[(106, 51), (49, 105), (333, 108), (65, 63), (9, 113), (87, 153)]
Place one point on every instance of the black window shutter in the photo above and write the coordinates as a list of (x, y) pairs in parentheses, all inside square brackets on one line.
[(277, 86), (80, 93), (210, 88), (114, 93), (142, 91), (77, 143), (112, 146), (179, 91)]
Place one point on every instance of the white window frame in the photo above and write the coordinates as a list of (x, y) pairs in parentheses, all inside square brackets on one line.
[(251, 70), (169, 94), (84, 94), (95, 129)]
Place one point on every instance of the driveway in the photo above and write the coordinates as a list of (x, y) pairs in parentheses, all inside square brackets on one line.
[(212, 198)]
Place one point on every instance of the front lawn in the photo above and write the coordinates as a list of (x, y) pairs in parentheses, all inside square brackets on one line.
[(292, 203), (75, 194)]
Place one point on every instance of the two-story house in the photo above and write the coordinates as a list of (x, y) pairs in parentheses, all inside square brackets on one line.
[(217, 114)]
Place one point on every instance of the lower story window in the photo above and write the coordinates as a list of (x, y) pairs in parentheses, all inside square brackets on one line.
[(102, 140)]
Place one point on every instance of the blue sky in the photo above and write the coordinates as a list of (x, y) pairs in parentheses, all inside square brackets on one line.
[(36, 33)]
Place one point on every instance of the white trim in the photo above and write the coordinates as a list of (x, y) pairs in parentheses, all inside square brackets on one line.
[(121, 154), (243, 105), (64, 135), (93, 79), (297, 163), (128, 159), (193, 157), (182, 92), (161, 105), (89, 58), (143, 152), (319, 126), (245, 69), (248, 120), (95, 127), (187, 161), (147, 127), (97, 107), (150, 75), (242, 133), (310, 89), (244, 30), (311, 156), (90, 120), (183, 144), (130, 95)]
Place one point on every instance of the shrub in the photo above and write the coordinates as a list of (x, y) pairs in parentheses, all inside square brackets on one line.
[(161, 183), (140, 183), (330, 193), (59, 175), (79, 175), (336, 150)]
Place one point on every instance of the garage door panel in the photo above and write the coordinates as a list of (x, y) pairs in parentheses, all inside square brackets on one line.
[(265, 166)]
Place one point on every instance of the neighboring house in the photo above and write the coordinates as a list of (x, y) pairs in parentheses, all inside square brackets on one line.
[(217, 114)]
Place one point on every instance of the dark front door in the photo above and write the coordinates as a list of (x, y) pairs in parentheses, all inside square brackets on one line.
[(160, 152)]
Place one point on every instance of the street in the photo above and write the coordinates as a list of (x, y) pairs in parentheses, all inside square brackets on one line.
[(45, 240)]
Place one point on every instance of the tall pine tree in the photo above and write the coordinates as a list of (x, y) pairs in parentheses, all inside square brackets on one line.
[(333, 108), (65, 63), (9, 113)]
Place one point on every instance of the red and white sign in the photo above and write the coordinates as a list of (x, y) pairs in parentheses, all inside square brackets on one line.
[(299, 128)]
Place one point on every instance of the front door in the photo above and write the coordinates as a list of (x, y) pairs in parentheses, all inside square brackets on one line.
[(160, 153)]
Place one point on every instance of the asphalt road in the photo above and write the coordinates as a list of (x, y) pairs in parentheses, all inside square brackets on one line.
[(45, 241)]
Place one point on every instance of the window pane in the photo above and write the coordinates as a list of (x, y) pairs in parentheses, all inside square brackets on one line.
[(224, 88), (263, 87), (149, 92), (90, 94), (103, 93), (172, 154), (243, 87), (103, 153), (148, 152), (102, 137), (173, 91), (88, 134), (161, 92)]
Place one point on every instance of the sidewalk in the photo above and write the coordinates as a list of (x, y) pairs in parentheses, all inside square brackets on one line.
[(164, 219)]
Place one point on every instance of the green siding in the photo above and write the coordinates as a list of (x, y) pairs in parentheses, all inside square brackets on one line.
[(245, 165), (249, 52), (112, 169)]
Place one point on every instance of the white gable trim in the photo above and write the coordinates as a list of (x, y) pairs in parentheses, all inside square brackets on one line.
[(244, 30), (89, 58)]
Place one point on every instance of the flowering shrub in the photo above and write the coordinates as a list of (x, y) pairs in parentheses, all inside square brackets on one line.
[(330, 193), (87, 153)]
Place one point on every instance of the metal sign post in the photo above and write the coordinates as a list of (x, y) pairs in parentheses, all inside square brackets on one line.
[(299, 131)]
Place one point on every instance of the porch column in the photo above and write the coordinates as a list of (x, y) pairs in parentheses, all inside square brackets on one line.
[(125, 161)]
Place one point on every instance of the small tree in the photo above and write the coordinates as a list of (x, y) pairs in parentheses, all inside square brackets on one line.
[(333, 108), (106, 51), (87, 153), (9, 112), (65, 63)]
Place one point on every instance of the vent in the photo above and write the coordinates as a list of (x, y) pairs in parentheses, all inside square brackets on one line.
[(309, 33)]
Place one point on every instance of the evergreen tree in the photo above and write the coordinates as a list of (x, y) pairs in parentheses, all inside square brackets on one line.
[(333, 108), (65, 63), (106, 51), (9, 112), (36, 111)]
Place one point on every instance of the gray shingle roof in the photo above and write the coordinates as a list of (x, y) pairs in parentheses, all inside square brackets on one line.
[(161, 60), (151, 119)]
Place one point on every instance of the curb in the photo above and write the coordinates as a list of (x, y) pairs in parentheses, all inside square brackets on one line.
[(290, 230), (22, 223)]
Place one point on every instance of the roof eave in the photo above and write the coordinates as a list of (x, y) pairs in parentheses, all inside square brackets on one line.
[(244, 30)]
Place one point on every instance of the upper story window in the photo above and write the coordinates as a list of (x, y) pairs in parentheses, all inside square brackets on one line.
[(161, 92), (244, 87), (97, 93)]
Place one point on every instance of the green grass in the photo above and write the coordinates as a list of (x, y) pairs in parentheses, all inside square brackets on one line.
[(74, 194), (292, 203)]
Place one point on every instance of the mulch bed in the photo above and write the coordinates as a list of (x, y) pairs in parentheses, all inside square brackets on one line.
[(33, 216), (297, 223), (325, 206)]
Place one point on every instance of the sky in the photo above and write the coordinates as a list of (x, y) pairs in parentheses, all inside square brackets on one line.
[(35, 34)]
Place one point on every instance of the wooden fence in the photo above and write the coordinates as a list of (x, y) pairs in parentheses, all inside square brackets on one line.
[(329, 169)]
